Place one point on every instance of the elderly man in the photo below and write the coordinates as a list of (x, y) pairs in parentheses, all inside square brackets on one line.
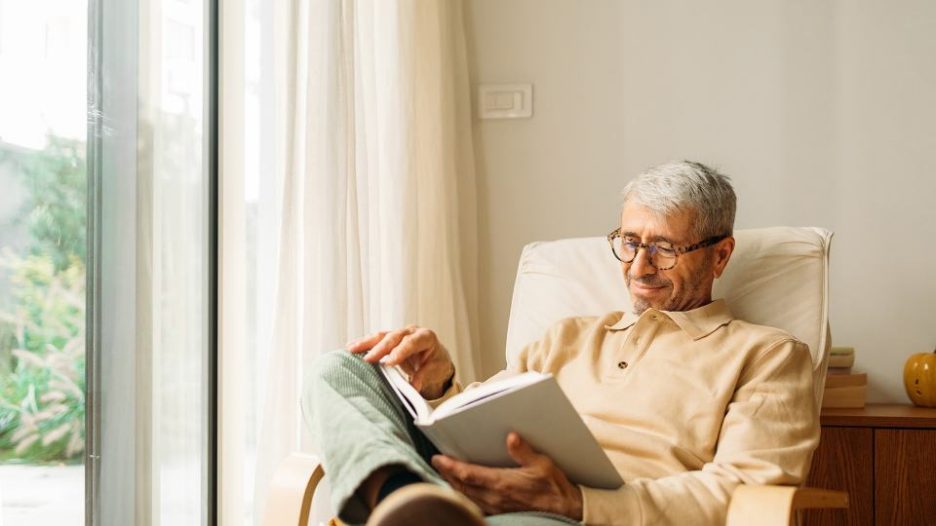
[(687, 401)]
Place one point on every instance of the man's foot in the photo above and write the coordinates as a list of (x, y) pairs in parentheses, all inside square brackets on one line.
[(425, 505)]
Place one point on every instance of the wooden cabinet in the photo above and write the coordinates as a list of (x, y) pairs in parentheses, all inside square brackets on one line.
[(884, 456)]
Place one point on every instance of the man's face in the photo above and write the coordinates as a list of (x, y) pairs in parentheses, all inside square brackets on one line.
[(686, 286)]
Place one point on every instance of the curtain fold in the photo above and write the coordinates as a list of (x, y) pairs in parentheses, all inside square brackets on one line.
[(377, 223)]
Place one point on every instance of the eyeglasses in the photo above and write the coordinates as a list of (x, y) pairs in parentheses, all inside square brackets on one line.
[(663, 255)]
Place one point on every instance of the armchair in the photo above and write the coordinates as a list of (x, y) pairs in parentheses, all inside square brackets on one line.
[(777, 276)]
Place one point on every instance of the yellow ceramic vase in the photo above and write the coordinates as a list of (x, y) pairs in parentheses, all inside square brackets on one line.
[(920, 379)]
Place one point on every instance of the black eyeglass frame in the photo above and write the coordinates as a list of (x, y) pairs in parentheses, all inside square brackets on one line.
[(652, 248)]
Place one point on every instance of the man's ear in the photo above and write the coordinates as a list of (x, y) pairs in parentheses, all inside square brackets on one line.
[(723, 250)]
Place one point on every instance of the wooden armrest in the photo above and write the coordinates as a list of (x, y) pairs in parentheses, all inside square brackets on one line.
[(775, 504), (290, 497)]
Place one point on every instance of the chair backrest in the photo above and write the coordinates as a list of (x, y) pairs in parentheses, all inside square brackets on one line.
[(776, 276)]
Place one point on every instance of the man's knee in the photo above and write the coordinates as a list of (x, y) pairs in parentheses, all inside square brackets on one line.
[(330, 372), (338, 366)]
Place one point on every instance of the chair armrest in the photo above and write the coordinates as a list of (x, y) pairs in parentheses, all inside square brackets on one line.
[(289, 500), (774, 505)]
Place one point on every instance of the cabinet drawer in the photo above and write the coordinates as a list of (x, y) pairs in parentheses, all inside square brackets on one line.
[(844, 461), (905, 476)]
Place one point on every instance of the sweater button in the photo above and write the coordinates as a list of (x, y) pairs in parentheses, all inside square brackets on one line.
[(622, 365)]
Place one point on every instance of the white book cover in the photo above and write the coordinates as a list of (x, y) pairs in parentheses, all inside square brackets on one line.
[(473, 425)]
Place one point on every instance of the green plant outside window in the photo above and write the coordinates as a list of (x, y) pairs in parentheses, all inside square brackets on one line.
[(42, 337)]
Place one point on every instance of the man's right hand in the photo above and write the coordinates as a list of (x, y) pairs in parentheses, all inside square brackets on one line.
[(417, 350)]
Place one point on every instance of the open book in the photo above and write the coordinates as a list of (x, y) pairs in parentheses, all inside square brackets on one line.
[(473, 425)]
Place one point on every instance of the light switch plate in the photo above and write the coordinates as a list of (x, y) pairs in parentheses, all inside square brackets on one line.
[(505, 101)]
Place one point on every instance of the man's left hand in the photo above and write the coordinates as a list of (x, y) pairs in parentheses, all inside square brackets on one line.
[(537, 485)]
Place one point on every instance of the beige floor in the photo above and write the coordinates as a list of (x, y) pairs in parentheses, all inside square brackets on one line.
[(41, 495)]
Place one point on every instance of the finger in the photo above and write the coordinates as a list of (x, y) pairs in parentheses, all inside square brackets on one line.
[(441, 463), (466, 473), (406, 354), (432, 374), (411, 344), (479, 496), (484, 498), (521, 451), (491, 499), (385, 345), (364, 343), (443, 466), (451, 479)]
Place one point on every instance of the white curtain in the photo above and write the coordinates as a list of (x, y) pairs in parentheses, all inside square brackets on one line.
[(377, 223)]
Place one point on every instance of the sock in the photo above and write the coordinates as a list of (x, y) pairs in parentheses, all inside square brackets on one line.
[(396, 481)]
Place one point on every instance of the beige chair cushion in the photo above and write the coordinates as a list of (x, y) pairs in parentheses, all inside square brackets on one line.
[(776, 276)]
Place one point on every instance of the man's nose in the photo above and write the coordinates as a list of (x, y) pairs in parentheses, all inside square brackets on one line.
[(641, 266)]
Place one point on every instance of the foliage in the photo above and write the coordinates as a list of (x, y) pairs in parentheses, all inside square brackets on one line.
[(42, 354), (42, 388), (55, 213)]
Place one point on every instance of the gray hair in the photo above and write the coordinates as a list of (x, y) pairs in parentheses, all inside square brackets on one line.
[(687, 185)]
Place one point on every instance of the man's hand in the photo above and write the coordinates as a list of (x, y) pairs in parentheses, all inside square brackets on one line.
[(537, 485), (417, 350)]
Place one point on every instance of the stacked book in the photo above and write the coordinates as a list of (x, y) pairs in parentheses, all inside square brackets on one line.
[(844, 388)]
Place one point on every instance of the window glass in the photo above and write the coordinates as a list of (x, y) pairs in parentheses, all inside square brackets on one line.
[(151, 280), (43, 256)]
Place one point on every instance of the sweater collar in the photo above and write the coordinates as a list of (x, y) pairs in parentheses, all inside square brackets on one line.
[(697, 323)]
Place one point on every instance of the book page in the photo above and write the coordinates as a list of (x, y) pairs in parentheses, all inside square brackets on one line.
[(413, 402), (484, 391)]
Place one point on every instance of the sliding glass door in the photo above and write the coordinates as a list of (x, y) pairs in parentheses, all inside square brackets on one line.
[(107, 257), (152, 281)]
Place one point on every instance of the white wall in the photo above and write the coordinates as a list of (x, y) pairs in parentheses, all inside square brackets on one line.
[(823, 113)]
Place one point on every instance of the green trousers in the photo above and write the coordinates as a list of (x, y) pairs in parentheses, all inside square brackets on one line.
[(359, 425)]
